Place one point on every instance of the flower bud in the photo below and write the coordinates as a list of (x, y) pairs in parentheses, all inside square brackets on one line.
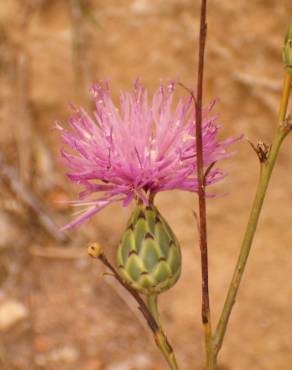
[(149, 256), (287, 52), (95, 250)]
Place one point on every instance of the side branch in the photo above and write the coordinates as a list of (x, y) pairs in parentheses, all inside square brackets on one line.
[(95, 251), (267, 167)]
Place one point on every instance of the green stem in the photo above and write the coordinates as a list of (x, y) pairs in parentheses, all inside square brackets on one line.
[(265, 175), (160, 337), (153, 307), (208, 342)]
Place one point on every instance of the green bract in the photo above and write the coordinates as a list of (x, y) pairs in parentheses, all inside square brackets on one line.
[(149, 256)]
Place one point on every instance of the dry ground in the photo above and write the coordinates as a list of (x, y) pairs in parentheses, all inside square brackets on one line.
[(50, 53)]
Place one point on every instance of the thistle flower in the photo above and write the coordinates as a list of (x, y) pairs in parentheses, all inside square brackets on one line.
[(137, 150)]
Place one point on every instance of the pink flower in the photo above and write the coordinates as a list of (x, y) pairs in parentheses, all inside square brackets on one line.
[(138, 150)]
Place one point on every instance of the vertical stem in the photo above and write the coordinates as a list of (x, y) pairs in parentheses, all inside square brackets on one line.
[(201, 183), (152, 306), (265, 175), (285, 97), (159, 335)]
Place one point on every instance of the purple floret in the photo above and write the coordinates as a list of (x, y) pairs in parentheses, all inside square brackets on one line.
[(137, 150)]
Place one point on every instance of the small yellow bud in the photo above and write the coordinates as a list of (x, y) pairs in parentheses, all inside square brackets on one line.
[(95, 250), (287, 51)]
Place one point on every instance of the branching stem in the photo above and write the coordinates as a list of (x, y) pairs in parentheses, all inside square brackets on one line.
[(264, 179), (268, 156), (149, 310)]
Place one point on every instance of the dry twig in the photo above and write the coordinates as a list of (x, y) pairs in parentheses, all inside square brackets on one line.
[(23, 121), (10, 175)]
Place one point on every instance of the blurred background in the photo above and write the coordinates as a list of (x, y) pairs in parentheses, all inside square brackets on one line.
[(57, 311)]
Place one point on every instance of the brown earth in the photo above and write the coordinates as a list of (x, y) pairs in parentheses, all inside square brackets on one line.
[(50, 53)]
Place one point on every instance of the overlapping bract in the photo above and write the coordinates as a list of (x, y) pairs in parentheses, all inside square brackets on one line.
[(137, 150), (149, 256)]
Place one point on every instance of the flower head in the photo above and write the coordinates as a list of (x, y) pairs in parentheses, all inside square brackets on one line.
[(137, 150)]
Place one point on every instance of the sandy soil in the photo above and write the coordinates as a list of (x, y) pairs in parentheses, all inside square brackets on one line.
[(50, 53)]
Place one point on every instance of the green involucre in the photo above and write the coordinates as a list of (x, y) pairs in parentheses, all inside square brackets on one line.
[(149, 256)]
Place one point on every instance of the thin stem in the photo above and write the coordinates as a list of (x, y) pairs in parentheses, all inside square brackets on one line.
[(150, 313), (265, 175), (169, 355), (201, 184), (285, 97), (153, 307), (166, 350)]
